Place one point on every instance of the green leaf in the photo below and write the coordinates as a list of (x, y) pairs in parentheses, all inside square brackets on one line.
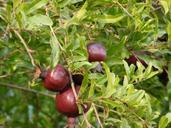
[(126, 66), (169, 83), (148, 69), (124, 123), (84, 84), (16, 3), (4, 52), (169, 31), (164, 120), (39, 20), (55, 51), (165, 5), (136, 97), (125, 81), (111, 83), (152, 74), (9, 13), (78, 65), (112, 103), (79, 16), (36, 4), (169, 71), (92, 87), (63, 3), (109, 18)]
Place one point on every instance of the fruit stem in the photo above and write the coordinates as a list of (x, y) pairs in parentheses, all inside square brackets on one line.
[(71, 121), (43, 74)]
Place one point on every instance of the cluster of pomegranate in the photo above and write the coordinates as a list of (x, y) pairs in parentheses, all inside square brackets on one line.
[(59, 79)]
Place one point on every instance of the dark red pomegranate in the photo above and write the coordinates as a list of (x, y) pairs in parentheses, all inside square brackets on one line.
[(57, 79), (96, 52), (66, 102)]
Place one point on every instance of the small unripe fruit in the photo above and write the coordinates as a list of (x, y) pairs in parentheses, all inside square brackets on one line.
[(57, 79), (96, 52), (66, 102)]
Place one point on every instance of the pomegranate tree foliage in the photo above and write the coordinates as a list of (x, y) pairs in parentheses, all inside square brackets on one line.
[(57, 31)]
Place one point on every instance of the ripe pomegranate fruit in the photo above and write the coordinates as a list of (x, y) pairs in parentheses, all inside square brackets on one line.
[(66, 103), (96, 52), (57, 79)]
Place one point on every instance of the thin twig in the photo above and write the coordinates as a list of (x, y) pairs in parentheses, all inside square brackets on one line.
[(6, 75), (53, 33), (26, 47), (76, 97), (73, 87), (85, 118), (97, 115), (19, 87), (123, 9)]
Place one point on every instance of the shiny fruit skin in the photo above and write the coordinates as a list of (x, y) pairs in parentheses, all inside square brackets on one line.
[(96, 52), (57, 79), (66, 102)]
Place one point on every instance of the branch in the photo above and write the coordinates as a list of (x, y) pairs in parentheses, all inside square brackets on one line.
[(53, 33), (116, 2), (18, 87), (97, 116), (26, 47), (76, 97), (6, 75)]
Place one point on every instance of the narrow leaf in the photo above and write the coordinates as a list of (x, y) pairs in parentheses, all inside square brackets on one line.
[(39, 20), (55, 52), (109, 18), (36, 5)]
